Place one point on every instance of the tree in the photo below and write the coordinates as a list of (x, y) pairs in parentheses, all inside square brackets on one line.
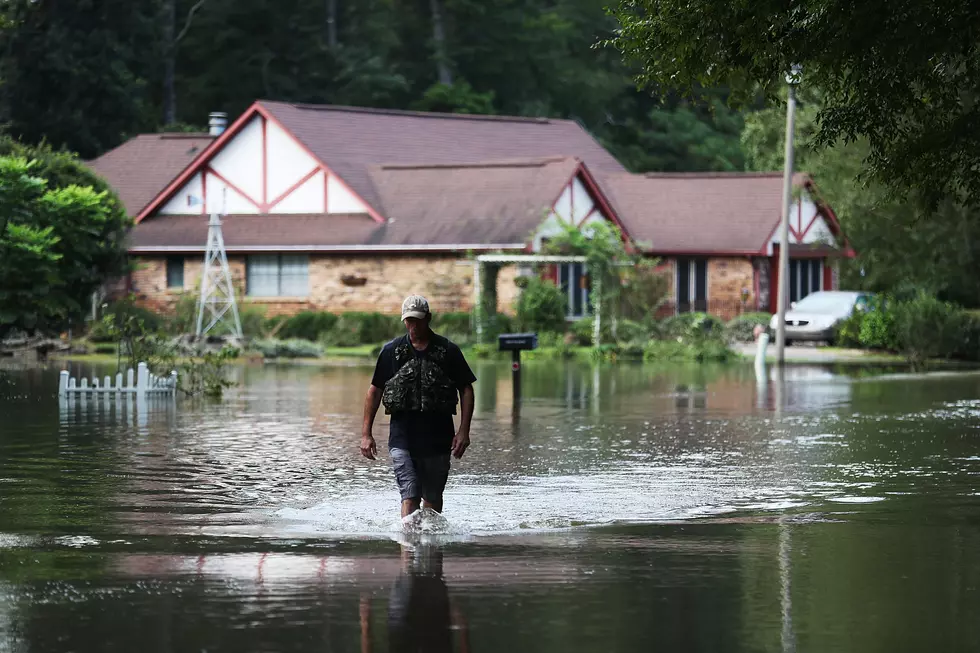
[(61, 236), (903, 75), (71, 71), (902, 243)]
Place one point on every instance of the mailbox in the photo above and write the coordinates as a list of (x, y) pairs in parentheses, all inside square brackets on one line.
[(517, 341)]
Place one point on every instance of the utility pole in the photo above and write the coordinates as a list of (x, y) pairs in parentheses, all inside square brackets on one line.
[(792, 79)]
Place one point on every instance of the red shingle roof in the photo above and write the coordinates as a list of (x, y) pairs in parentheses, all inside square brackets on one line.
[(699, 212), (486, 204), (143, 166)]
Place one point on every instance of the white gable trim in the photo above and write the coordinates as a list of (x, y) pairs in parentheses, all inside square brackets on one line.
[(575, 205), (258, 166), (806, 226)]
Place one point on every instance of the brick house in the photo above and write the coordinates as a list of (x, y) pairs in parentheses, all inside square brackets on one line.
[(339, 208)]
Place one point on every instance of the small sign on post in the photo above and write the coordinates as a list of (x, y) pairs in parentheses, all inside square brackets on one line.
[(515, 343)]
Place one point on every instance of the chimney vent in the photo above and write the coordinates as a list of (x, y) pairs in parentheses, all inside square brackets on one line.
[(217, 122)]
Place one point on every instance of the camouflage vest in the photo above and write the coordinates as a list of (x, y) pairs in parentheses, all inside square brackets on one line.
[(420, 384)]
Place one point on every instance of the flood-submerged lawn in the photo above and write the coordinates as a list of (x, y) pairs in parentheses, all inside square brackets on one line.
[(620, 508)]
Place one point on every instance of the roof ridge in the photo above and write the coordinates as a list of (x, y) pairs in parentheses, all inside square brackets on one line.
[(507, 163), (714, 174), (180, 135), (416, 114)]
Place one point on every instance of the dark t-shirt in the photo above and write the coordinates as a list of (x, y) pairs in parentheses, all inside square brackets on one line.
[(418, 432)]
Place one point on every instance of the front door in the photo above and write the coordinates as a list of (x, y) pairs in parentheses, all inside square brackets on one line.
[(805, 277), (692, 285), (572, 279)]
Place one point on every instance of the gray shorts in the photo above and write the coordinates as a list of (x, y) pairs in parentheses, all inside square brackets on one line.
[(420, 477)]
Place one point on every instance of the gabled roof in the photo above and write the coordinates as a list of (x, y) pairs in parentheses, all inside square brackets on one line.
[(470, 205), (704, 212), (143, 166), (351, 140)]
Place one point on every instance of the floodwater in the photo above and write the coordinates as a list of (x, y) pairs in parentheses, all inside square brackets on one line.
[(620, 508)]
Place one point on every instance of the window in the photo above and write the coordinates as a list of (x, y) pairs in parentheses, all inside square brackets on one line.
[(175, 272), (805, 277), (692, 285), (573, 280), (277, 275)]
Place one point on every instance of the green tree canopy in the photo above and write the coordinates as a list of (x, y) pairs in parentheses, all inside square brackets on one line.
[(902, 243), (61, 236), (903, 75)]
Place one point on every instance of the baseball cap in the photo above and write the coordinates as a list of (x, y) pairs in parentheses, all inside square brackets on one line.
[(415, 306)]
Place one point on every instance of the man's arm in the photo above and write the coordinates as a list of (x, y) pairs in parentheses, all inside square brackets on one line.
[(462, 439), (369, 448)]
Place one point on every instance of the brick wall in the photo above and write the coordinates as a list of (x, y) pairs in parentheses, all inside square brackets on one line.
[(727, 276), (342, 283)]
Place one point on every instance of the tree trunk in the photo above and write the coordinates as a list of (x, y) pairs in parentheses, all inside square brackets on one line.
[(332, 24), (439, 36), (169, 63)]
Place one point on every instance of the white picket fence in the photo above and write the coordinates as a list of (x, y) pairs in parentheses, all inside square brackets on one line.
[(146, 384)]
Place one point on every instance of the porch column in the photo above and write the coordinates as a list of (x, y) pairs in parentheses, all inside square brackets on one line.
[(478, 300), (597, 322)]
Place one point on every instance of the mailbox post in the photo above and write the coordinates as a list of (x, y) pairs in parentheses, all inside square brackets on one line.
[(515, 343)]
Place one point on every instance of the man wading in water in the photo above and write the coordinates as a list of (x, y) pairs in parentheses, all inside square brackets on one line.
[(419, 378)]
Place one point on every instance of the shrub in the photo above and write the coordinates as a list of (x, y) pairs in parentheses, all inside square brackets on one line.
[(497, 324), (926, 327), (253, 319), (969, 342), (307, 325), (878, 327), (272, 348), (456, 323), (356, 328), (689, 325), (849, 330), (741, 328), (541, 306), (183, 319), (630, 331), (127, 308), (707, 350)]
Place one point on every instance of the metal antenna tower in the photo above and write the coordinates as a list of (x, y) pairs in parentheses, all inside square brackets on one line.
[(217, 291)]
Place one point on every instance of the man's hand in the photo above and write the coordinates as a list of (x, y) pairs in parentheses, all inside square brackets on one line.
[(460, 443), (369, 448)]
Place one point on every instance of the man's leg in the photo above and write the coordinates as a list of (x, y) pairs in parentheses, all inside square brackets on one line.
[(407, 477), (433, 473), (409, 506)]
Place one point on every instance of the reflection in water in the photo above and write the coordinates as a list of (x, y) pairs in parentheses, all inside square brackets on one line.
[(421, 615), (623, 509)]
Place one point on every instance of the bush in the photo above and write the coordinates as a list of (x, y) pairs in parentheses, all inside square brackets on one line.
[(356, 328), (689, 325), (272, 348), (707, 350), (878, 327), (254, 322), (925, 327), (456, 323), (849, 330), (127, 308), (497, 324), (630, 331), (741, 328), (581, 331), (307, 325), (541, 306), (969, 345)]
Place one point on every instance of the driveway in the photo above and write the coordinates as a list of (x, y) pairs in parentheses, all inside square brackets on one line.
[(814, 354)]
